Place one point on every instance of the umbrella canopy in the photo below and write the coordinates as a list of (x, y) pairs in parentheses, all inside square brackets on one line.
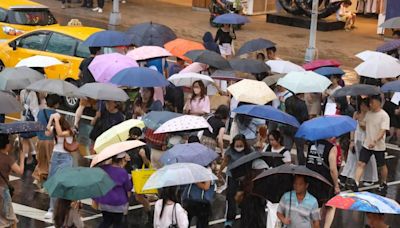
[(267, 112), (179, 47), (184, 123), (79, 183), (273, 183), (60, 87), (21, 127), (115, 149), (194, 68), (364, 202), (255, 45), (39, 61), (389, 46), (249, 66), (115, 134), (357, 90), (321, 63), (9, 104), (208, 57), (251, 91), (304, 82), (241, 166), (108, 38), (367, 55), (148, 52), (273, 79), (283, 67), (179, 174), (326, 127), (15, 78), (392, 23), (139, 77), (329, 71), (150, 33), (155, 119), (379, 67), (103, 91), (105, 67), (231, 19), (189, 153), (187, 79), (391, 87), (228, 75)]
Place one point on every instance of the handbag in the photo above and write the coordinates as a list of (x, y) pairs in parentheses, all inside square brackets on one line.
[(71, 147), (174, 222), (10, 187), (27, 113), (140, 177)]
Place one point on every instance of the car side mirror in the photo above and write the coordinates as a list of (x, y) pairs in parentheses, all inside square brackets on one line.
[(13, 45)]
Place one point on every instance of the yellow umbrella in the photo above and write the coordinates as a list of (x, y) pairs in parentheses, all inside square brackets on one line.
[(116, 134), (252, 91)]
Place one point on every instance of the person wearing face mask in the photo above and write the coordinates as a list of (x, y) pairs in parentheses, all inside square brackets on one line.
[(198, 103)]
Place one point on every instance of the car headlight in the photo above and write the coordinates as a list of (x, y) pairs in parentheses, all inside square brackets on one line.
[(12, 31)]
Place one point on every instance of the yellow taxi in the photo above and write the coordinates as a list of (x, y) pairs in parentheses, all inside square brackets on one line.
[(20, 16)]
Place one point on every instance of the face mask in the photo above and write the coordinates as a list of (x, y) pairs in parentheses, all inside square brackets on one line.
[(197, 91), (239, 149)]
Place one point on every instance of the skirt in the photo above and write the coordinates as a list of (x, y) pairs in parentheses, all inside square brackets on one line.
[(7, 215), (44, 151)]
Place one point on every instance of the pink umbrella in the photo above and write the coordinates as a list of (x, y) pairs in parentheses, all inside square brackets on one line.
[(184, 123), (194, 68), (104, 67), (115, 149), (321, 63), (148, 52)]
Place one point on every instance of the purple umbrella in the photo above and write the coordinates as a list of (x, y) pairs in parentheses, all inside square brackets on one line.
[(389, 46), (104, 67)]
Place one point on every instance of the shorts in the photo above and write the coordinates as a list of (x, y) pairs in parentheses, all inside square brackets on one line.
[(365, 155)]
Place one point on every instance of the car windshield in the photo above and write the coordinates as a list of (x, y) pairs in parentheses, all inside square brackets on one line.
[(31, 17)]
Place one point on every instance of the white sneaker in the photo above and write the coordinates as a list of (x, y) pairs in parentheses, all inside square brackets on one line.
[(95, 9), (100, 10), (48, 215), (123, 2)]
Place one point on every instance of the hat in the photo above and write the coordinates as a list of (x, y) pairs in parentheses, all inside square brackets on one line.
[(121, 155), (259, 164)]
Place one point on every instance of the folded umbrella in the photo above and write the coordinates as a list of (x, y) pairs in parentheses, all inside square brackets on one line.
[(184, 123), (148, 52), (139, 77), (16, 78), (194, 68), (208, 57), (189, 153), (304, 82), (255, 45), (105, 67), (283, 67), (321, 63), (392, 23), (179, 47), (39, 61), (9, 104), (55, 86), (273, 79), (108, 38), (249, 66), (252, 91), (393, 86), (103, 91), (379, 67), (187, 79), (231, 19), (329, 71), (21, 127), (367, 55), (357, 90), (389, 46), (155, 119), (150, 33)]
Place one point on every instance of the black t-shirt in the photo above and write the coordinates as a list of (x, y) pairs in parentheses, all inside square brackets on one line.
[(216, 125), (297, 108), (223, 37), (86, 75), (318, 158), (136, 161)]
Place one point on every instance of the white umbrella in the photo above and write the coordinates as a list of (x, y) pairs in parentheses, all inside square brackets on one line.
[(39, 61), (379, 67), (184, 123), (252, 91), (179, 174), (304, 82), (194, 68), (103, 91), (283, 67), (367, 55), (55, 86), (187, 79)]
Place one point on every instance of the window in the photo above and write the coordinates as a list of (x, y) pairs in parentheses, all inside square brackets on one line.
[(31, 17), (33, 41), (82, 51), (61, 44), (3, 15)]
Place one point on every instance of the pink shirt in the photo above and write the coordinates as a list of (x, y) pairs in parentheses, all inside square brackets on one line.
[(159, 94), (198, 106)]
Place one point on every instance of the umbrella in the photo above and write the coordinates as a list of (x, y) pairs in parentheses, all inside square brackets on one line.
[(392, 23), (105, 67), (267, 112), (79, 183), (251, 91), (15, 78), (179, 47), (393, 86), (255, 45), (242, 165), (114, 149), (139, 77), (273, 79), (357, 90), (150, 33), (9, 104), (60, 87), (304, 82), (39, 61), (115, 134), (21, 127), (155, 119), (367, 55), (189, 153), (321, 63), (225, 75), (231, 19), (108, 38), (194, 68), (328, 71), (184, 123), (389, 46), (283, 67), (379, 67), (179, 174), (249, 66), (365, 202), (103, 91), (148, 52), (187, 79), (273, 183), (208, 57), (326, 127)]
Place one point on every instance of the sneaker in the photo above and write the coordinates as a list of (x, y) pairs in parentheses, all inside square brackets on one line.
[(228, 224), (95, 9), (123, 2), (100, 10), (367, 183), (354, 188), (48, 215), (382, 189)]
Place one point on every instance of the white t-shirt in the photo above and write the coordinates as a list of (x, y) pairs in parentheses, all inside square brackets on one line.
[(286, 155), (59, 146), (376, 121), (168, 214), (330, 99)]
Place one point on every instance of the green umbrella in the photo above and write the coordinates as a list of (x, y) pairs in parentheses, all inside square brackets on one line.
[(79, 183)]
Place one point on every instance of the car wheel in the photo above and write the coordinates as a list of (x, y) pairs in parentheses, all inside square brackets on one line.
[(71, 103)]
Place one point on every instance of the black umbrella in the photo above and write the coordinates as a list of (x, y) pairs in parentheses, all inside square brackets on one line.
[(21, 127), (240, 167), (357, 90), (210, 58), (150, 33), (249, 66), (255, 45), (8, 103), (273, 183)]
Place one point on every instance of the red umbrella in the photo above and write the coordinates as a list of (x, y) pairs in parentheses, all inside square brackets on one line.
[(321, 63)]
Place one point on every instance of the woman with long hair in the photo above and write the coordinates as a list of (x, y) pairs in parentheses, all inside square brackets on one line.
[(66, 214), (275, 146), (198, 103), (145, 103), (168, 210)]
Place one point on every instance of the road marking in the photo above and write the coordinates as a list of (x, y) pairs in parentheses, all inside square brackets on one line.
[(374, 186), (218, 221), (13, 178), (30, 212), (392, 147)]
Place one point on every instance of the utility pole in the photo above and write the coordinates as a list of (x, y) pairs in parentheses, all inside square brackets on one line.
[(115, 16), (310, 51)]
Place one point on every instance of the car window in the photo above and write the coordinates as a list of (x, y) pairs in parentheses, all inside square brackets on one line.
[(61, 44), (33, 41), (82, 50), (3, 15), (31, 17)]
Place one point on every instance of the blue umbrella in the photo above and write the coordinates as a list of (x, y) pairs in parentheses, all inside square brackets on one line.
[(108, 39), (190, 153), (139, 77), (267, 112), (231, 19), (391, 87), (389, 46), (328, 71), (325, 127), (155, 119), (21, 127)]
